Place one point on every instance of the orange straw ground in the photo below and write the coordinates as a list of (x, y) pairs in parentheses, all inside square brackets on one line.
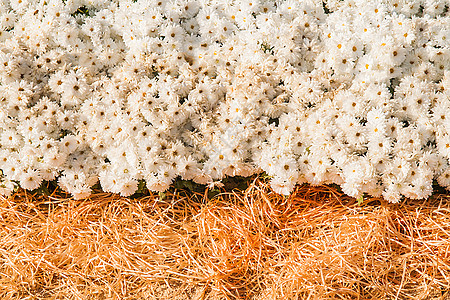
[(252, 244)]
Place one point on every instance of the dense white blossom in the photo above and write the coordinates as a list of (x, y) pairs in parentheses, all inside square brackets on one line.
[(355, 93)]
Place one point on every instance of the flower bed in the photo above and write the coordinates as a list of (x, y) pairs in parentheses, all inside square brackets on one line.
[(354, 93)]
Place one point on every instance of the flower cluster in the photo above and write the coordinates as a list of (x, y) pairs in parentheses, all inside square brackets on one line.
[(353, 92)]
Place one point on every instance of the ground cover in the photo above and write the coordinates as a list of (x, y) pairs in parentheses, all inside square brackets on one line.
[(236, 244)]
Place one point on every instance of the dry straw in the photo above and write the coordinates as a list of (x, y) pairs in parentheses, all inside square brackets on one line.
[(252, 244)]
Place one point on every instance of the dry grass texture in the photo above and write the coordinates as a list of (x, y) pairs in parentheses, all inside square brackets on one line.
[(316, 244)]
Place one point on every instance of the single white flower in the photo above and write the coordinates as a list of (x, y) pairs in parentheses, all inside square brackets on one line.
[(30, 179)]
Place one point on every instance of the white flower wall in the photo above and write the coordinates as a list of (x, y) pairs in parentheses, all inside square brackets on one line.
[(355, 93)]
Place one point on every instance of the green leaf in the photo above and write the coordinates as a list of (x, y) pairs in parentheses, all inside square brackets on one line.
[(16, 186), (141, 187), (162, 196), (81, 11), (213, 193), (360, 200), (266, 48), (265, 176)]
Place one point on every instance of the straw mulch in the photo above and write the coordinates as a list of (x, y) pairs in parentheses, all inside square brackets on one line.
[(253, 244)]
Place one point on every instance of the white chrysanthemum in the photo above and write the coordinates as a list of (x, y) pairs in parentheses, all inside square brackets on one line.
[(444, 179), (53, 158), (352, 188), (392, 194), (6, 187), (282, 185), (81, 191), (129, 187), (30, 179), (154, 183)]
